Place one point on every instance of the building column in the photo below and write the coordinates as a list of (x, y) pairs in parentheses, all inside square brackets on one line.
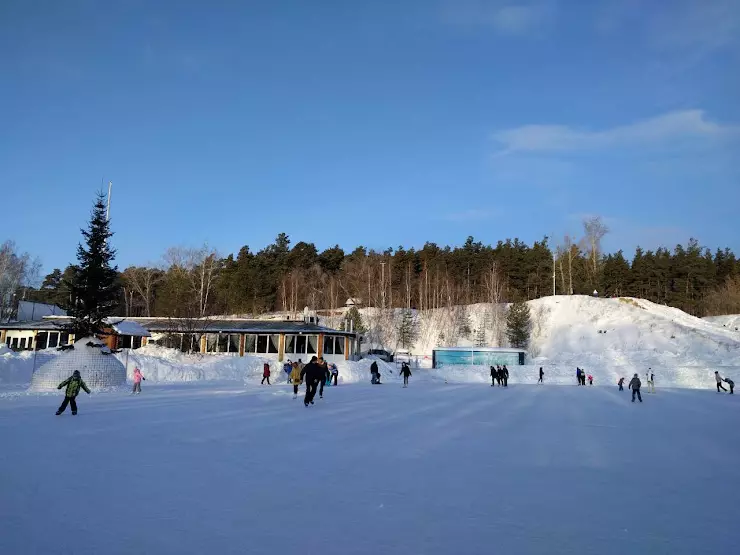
[(320, 347), (144, 341), (3, 333), (281, 347), (346, 348), (203, 344), (242, 344)]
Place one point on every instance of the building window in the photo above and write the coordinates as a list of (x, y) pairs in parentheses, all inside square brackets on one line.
[(274, 344), (328, 345), (313, 344), (136, 342), (41, 339), (64, 338), (234, 343), (262, 344), (223, 343), (14, 344), (211, 343), (300, 345), (53, 340), (290, 344), (339, 345), (124, 342), (250, 342)]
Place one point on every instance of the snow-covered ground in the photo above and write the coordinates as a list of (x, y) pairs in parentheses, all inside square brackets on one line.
[(217, 467)]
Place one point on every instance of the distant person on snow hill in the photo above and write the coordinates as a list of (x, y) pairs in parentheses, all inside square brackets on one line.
[(505, 376), (620, 383), (542, 375), (729, 382), (719, 381), (313, 373), (405, 372), (265, 374), (295, 378), (137, 381), (590, 380), (635, 385), (74, 383)]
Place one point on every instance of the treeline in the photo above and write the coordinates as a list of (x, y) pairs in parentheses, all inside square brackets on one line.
[(283, 277)]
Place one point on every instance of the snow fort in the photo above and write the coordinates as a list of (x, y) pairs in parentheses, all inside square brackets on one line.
[(99, 368)]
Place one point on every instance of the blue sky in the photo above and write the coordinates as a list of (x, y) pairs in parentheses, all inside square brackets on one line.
[(374, 123)]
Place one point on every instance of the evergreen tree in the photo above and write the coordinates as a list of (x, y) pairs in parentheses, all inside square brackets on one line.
[(407, 329), (518, 325), (355, 317), (94, 287)]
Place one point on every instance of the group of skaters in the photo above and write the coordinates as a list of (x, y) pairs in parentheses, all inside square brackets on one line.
[(405, 373), (581, 377), (500, 376)]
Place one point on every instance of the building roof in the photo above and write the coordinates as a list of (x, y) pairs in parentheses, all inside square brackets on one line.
[(187, 325)]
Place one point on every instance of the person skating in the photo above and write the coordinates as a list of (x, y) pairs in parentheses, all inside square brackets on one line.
[(137, 381), (311, 374), (288, 368), (295, 378), (334, 373), (635, 385), (499, 374), (578, 375), (590, 380), (265, 374), (719, 381), (73, 383), (494, 373), (405, 372), (729, 382), (505, 376), (542, 375), (620, 383), (650, 380), (325, 376), (374, 373)]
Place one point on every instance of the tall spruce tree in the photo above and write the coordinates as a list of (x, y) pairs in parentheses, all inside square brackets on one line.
[(407, 329), (356, 318), (94, 286), (518, 325)]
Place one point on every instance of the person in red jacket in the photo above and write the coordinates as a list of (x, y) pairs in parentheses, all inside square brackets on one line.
[(266, 374)]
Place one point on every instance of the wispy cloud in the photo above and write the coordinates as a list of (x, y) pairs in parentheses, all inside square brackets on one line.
[(686, 31), (507, 18), (657, 131)]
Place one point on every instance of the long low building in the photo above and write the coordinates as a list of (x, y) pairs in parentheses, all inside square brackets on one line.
[(275, 339), (476, 356)]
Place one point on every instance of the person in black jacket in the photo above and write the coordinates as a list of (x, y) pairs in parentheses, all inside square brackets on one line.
[(635, 385), (311, 374), (505, 376), (405, 372), (374, 373), (494, 373), (542, 375), (499, 374), (325, 376)]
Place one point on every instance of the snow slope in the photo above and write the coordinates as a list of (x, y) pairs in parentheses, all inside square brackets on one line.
[(730, 321), (433, 469)]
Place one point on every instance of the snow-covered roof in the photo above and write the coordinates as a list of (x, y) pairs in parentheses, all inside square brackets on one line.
[(481, 349), (128, 327)]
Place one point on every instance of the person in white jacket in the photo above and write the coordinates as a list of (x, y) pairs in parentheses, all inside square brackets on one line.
[(650, 379), (719, 381)]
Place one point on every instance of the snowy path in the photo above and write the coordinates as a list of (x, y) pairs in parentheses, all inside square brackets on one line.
[(430, 469)]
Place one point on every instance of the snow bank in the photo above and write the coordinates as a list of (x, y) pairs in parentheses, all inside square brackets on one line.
[(359, 371), (160, 364)]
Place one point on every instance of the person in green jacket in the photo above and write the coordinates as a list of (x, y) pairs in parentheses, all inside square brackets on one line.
[(73, 383)]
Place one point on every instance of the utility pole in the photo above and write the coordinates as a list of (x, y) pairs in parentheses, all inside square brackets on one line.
[(107, 211)]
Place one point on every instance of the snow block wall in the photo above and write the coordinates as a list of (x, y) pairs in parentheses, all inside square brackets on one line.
[(98, 370)]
